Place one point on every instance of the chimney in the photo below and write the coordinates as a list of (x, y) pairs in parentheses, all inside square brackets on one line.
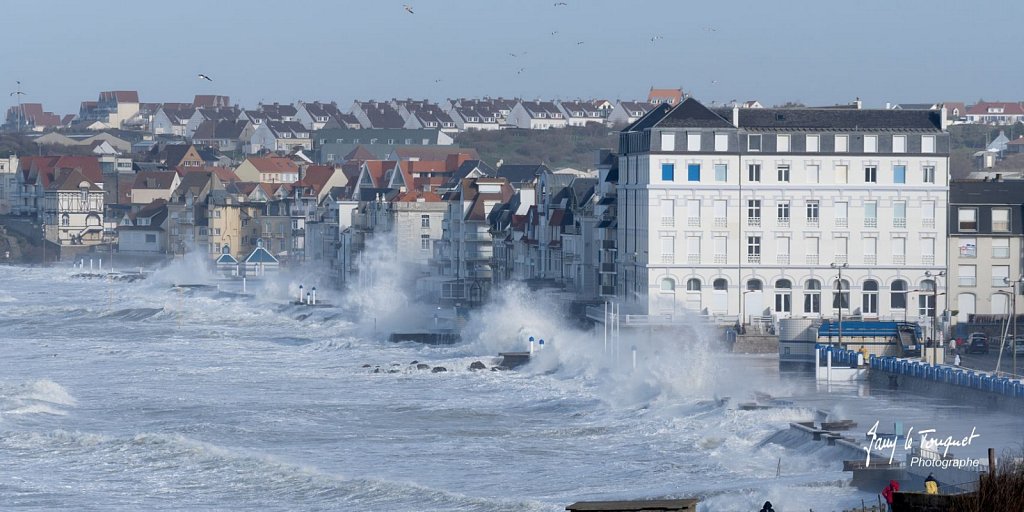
[(858, 103), (943, 119), (888, 106), (735, 115)]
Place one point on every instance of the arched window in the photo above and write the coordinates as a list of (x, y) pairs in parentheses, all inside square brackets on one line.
[(693, 285), (65, 219), (898, 294), (783, 296), (754, 285), (841, 294), (720, 284), (812, 296), (668, 285), (869, 304)]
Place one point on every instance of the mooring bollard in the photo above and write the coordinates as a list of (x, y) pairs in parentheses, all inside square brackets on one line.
[(541, 343), (314, 295), (300, 294), (634, 357), (531, 345)]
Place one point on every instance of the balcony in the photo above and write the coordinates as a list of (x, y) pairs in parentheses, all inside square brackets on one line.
[(753, 222), (928, 223), (812, 222), (477, 256), (969, 281), (477, 238), (607, 268), (721, 222), (693, 222), (721, 259), (927, 260), (693, 259), (754, 258), (842, 258), (899, 222), (668, 222), (668, 259), (871, 222), (782, 259), (812, 259), (871, 259), (783, 222), (899, 260), (842, 222)]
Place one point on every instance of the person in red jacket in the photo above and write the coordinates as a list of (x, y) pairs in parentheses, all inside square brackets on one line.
[(891, 489)]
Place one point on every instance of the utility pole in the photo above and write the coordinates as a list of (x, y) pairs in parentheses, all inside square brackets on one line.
[(21, 109), (840, 268), (935, 299)]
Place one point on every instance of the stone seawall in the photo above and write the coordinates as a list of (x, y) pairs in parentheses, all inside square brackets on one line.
[(756, 344), (977, 397)]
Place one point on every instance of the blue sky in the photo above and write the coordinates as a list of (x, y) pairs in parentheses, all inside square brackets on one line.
[(818, 52)]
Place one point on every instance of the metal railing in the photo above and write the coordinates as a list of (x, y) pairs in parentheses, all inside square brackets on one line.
[(668, 258), (871, 222), (899, 260), (871, 259), (928, 223), (721, 222), (927, 260), (812, 222), (753, 258), (668, 222), (842, 222), (899, 222), (693, 222), (783, 222), (812, 259), (754, 222), (721, 259), (782, 259), (693, 259)]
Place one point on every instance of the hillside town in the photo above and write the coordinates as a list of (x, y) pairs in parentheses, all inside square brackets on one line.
[(738, 212)]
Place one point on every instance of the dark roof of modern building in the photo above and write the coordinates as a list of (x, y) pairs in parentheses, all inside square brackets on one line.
[(224, 129), (518, 173), (839, 119), (1002, 192)]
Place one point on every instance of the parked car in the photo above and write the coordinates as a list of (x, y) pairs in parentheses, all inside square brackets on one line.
[(1013, 345), (977, 343)]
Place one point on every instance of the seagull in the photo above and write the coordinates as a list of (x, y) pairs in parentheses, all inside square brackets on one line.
[(18, 93), (520, 71), (408, 8), (554, 33), (560, 3), (437, 81), (579, 42), (204, 77), (655, 38), (709, 28), (510, 54)]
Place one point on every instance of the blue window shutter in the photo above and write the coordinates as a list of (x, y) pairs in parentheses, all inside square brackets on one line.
[(900, 174), (693, 172), (668, 172)]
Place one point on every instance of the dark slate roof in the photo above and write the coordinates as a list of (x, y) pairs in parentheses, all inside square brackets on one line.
[(691, 114), (838, 119), (515, 173), (224, 129), (650, 118), (1007, 192), (583, 189)]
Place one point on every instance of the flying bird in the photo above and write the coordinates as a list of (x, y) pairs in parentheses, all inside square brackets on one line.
[(715, 82), (408, 8), (579, 42), (19, 93), (554, 33), (520, 71), (709, 28), (437, 81), (560, 3), (655, 38), (204, 77), (510, 54)]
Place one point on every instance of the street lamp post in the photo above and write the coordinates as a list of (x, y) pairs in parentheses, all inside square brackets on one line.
[(935, 298), (743, 303), (840, 267)]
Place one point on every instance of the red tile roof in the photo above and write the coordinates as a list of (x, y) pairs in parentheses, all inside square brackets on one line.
[(316, 177), (1009, 109), (274, 164)]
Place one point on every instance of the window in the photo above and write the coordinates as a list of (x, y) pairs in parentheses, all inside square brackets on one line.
[(841, 294), (754, 212), (150, 238), (899, 143), (668, 285), (842, 209), (721, 142), (754, 285), (899, 214), (967, 219), (753, 249), (928, 174), (813, 144), (870, 174), (754, 172), (693, 172), (967, 275), (782, 248), (927, 143), (721, 172), (693, 141), (424, 221), (926, 299), (813, 174), (928, 251), (870, 250), (871, 143), (899, 250), (782, 211), (1000, 304), (869, 299), (720, 211), (424, 242), (721, 247), (899, 174), (783, 173), (693, 285), (842, 246), (968, 248), (842, 174), (812, 296), (898, 294), (1000, 275), (1001, 220), (720, 285), (668, 249), (65, 220), (668, 141), (842, 143), (812, 212), (870, 214), (693, 212), (216, 214), (783, 296), (668, 172), (753, 143), (782, 143), (693, 250), (1000, 248)]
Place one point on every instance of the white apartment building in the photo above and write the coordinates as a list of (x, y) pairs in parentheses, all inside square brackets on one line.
[(8, 184), (742, 212)]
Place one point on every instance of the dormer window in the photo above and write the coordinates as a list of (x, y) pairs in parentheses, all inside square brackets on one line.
[(541, 115), (556, 116), (995, 110), (286, 135)]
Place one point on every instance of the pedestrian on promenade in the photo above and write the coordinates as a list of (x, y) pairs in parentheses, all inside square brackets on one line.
[(931, 485), (888, 492), (956, 359), (767, 507)]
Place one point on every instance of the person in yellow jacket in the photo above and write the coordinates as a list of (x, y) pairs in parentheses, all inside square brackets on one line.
[(931, 486)]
